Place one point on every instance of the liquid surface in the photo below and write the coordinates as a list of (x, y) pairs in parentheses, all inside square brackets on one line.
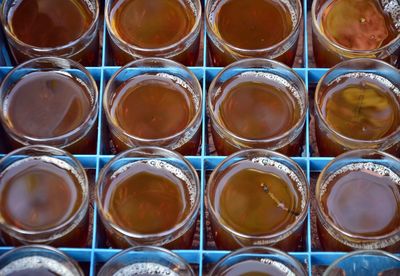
[(247, 23), (362, 202), (49, 23), (145, 199), (152, 107), (33, 272), (362, 106), (47, 104), (38, 194), (257, 107), (152, 24), (264, 267), (357, 24), (145, 269), (256, 200)]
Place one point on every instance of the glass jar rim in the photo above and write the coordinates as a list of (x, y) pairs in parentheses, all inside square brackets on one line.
[(249, 249), (107, 104), (324, 121), (114, 34), (45, 50), (342, 49), (144, 248), (322, 214), (269, 154), (85, 189), (92, 115), (239, 63), (249, 52), (181, 225)]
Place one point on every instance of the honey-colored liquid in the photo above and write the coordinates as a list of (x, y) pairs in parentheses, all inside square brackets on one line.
[(361, 106), (255, 200), (257, 268), (256, 108), (362, 202), (154, 107), (357, 24), (144, 199), (39, 195), (152, 25), (50, 24), (47, 105), (247, 24)]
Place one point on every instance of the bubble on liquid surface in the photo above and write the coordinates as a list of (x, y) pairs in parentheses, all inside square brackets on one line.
[(145, 269), (280, 266)]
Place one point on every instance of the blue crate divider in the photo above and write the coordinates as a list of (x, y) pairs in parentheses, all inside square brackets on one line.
[(201, 257)]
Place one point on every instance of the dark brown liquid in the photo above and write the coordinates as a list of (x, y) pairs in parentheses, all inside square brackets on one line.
[(153, 107), (47, 105), (50, 24), (152, 25), (33, 272), (256, 268), (255, 200), (246, 24), (144, 199), (255, 108), (362, 202), (359, 107), (39, 195)]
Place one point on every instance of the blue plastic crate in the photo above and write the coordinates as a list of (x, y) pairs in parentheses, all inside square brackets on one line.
[(202, 256)]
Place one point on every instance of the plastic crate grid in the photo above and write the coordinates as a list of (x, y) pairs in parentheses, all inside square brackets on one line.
[(203, 254)]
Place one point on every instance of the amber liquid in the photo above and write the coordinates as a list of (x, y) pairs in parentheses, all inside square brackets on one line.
[(360, 106), (257, 201), (257, 268), (256, 108), (353, 25), (40, 195), (51, 24), (47, 105), (144, 199), (363, 203), (152, 25), (246, 24), (154, 107)]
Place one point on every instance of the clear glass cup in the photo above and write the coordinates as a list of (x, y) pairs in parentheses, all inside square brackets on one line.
[(71, 232), (180, 236), (38, 259), (332, 143), (334, 237), (365, 262), (261, 258), (84, 49), (226, 237), (185, 51), (223, 53), (79, 140), (187, 140), (327, 53), (289, 143), (146, 260)]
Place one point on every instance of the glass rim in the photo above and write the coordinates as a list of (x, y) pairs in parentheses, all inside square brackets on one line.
[(46, 248), (92, 115), (322, 214), (320, 33), (79, 214), (323, 119), (292, 227), (135, 235), (295, 28), (141, 248), (108, 92), (248, 249), (43, 50), (221, 127), (359, 252), (114, 35)]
